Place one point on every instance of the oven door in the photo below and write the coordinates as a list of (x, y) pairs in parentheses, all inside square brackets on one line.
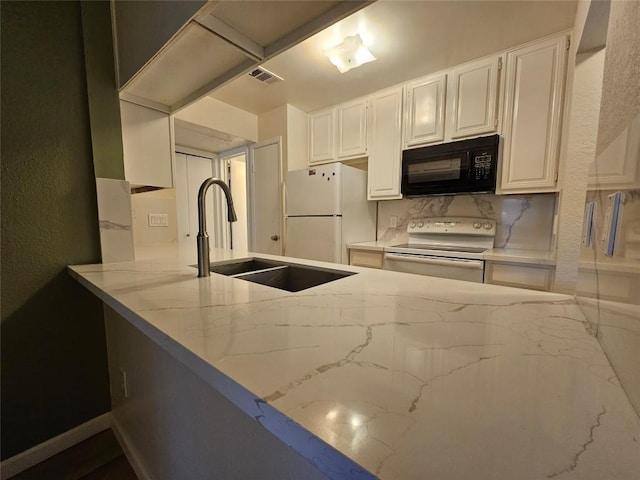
[(445, 267)]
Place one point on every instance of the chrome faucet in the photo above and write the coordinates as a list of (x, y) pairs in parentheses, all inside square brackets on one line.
[(203, 237)]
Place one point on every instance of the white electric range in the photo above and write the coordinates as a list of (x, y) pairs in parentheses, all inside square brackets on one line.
[(449, 247)]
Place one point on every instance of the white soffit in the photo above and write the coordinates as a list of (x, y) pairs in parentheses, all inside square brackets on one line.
[(269, 20), (191, 135), (187, 66), (409, 38)]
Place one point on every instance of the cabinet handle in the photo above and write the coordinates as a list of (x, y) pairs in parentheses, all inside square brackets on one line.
[(275, 238)]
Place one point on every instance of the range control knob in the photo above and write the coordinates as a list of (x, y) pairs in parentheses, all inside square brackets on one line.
[(487, 226), (477, 225), (412, 224), (420, 224)]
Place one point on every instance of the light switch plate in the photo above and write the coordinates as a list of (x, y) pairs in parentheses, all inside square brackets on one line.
[(158, 220)]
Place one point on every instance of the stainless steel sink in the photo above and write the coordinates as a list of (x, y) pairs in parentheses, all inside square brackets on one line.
[(284, 276), (234, 267)]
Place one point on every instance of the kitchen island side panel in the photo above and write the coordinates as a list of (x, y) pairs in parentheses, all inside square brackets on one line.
[(180, 426)]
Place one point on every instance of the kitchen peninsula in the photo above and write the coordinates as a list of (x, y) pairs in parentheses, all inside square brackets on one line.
[(376, 375)]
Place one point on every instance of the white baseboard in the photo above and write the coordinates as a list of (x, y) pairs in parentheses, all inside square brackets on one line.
[(131, 452), (29, 458)]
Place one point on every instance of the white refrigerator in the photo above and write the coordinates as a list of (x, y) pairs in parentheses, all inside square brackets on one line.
[(327, 209)]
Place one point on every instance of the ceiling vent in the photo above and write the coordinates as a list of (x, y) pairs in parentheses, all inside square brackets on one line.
[(265, 76)]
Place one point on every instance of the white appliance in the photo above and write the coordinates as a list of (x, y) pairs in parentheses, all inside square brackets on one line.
[(449, 247), (327, 208)]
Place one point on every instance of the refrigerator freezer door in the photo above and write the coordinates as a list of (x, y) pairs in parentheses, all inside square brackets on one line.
[(315, 191), (314, 238)]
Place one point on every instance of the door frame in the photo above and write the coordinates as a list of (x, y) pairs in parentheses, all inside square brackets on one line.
[(223, 167), (251, 190)]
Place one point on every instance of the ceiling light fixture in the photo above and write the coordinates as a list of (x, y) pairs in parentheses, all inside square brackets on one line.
[(349, 54)]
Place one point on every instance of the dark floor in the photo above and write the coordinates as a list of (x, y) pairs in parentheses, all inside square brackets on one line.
[(97, 458)]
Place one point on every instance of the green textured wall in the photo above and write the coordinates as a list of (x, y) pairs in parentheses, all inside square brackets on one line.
[(54, 370)]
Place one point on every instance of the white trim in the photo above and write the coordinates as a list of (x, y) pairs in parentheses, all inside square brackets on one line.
[(45, 450), (130, 451), (144, 102), (195, 152)]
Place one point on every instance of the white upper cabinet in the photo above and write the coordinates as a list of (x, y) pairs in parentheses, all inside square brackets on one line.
[(535, 76), (352, 129), (472, 98), (617, 166), (147, 140), (424, 111), (338, 133), (385, 144), (322, 136)]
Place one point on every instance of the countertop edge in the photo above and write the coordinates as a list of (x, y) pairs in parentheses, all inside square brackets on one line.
[(323, 456), (533, 257)]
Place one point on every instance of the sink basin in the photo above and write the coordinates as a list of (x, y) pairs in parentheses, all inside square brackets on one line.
[(241, 266), (284, 276)]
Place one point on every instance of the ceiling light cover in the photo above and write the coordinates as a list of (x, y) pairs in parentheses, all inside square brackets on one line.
[(349, 54)]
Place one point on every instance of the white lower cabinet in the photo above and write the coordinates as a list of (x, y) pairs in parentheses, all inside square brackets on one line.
[(385, 144), (366, 258), (534, 277), (147, 142), (533, 106)]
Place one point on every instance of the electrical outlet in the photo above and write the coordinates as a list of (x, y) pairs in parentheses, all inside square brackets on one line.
[(158, 220), (393, 221), (124, 387)]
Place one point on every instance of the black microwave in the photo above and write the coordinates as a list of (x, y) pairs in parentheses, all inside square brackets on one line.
[(465, 166)]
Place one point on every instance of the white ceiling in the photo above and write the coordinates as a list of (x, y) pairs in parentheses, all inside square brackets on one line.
[(409, 38)]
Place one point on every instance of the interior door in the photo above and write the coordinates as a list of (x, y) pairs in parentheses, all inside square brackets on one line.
[(265, 196), (191, 171)]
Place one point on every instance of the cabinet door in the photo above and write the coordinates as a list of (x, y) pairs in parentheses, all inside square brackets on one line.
[(385, 145), (473, 98), (424, 111), (352, 129), (534, 79), (147, 145), (322, 136)]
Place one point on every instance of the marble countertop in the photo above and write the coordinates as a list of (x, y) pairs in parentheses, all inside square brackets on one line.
[(391, 375), (511, 255), (376, 245), (609, 264)]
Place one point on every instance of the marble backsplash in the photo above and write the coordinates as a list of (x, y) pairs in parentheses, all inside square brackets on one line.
[(524, 221), (114, 216)]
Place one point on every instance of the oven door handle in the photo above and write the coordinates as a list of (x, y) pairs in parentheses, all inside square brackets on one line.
[(473, 264)]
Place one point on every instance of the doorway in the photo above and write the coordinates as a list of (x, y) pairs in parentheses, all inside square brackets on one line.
[(235, 167), (254, 176)]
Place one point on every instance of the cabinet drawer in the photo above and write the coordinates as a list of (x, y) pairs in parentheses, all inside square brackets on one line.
[(365, 258), (519, 275)]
